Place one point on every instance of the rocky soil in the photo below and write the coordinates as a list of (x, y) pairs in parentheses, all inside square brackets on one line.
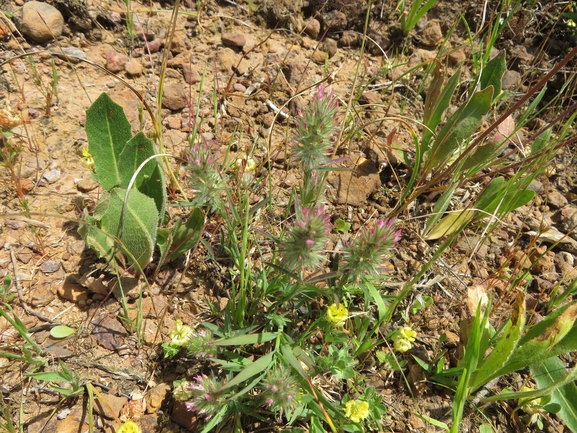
[(262, 61)]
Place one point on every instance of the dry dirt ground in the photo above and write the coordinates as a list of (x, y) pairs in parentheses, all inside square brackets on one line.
[(253, 61)]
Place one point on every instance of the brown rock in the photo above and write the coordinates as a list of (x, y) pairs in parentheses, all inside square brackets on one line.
[(319, 57), (370, 98), (335, 20), (115, 61), (190, 74), (133, 68), (233, 39), (183, 417), (294, 71), (111, 406), (26, 185), (329, 46), (43, 294), (431, 36), (75, 421), (180, 42), (556, 199), (40, 21), (174, 97), (511, 80), (226, 59), (73, 292), (235, 105), (349, 39), (457, 57), (134, 409), (354, 187), (156, 396), (313, 28), (86, 185), (109, 333)]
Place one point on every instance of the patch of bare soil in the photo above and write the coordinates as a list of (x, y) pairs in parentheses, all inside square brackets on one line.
[(263, 65)]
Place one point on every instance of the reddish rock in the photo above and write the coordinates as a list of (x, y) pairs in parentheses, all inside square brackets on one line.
[(190, 74), (313, 28), (233, 39), (153, 46), (183, 417), (354, 187), (115, 61)]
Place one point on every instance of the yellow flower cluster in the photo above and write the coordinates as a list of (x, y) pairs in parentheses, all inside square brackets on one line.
[(182, 392), (404, 339), (129, 427), (181, 334), (356, 410), (336, 315), (87, 158), (529, 406)]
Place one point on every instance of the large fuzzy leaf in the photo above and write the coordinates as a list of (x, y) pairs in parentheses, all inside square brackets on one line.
[(138, 235), (108, 131), (150, 180)]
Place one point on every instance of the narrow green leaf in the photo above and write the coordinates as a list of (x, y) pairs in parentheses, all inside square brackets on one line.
[(488, 195), (242, 340), (61, 331), (460, 126), (548, 373), (251, 370), (493, 72), (441, 104), (540, 142), (450, 224), (185, 237), (50, 376), (440, 207), (507, 343), (108, 130)]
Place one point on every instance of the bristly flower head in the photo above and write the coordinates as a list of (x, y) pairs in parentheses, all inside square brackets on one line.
[(364, 255), (201, 344), (208, 177), (315, 130), (305, 241), (207, 398), (280, 389)]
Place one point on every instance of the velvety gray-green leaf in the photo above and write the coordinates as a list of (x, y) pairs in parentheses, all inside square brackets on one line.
[(140, 224), (107, 130)]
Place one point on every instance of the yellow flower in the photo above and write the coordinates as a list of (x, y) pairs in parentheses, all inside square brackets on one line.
[(87, 158), (529, 406), (404, 339), (129, 427), (181, 334), (336, 315), (356, 410), (181, 391)]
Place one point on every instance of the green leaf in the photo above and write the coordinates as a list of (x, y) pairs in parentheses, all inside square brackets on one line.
[(242, 340), (450, 224), (437, 102), (460, 126), (251, 370), (440, 207), (507, 343), (184, 237), (540, 142), (61, 331), (342, 226), (134, 153), (139, 231), (548, 373), (108, 130), (493, 72), (488, 195), (537, 348)]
